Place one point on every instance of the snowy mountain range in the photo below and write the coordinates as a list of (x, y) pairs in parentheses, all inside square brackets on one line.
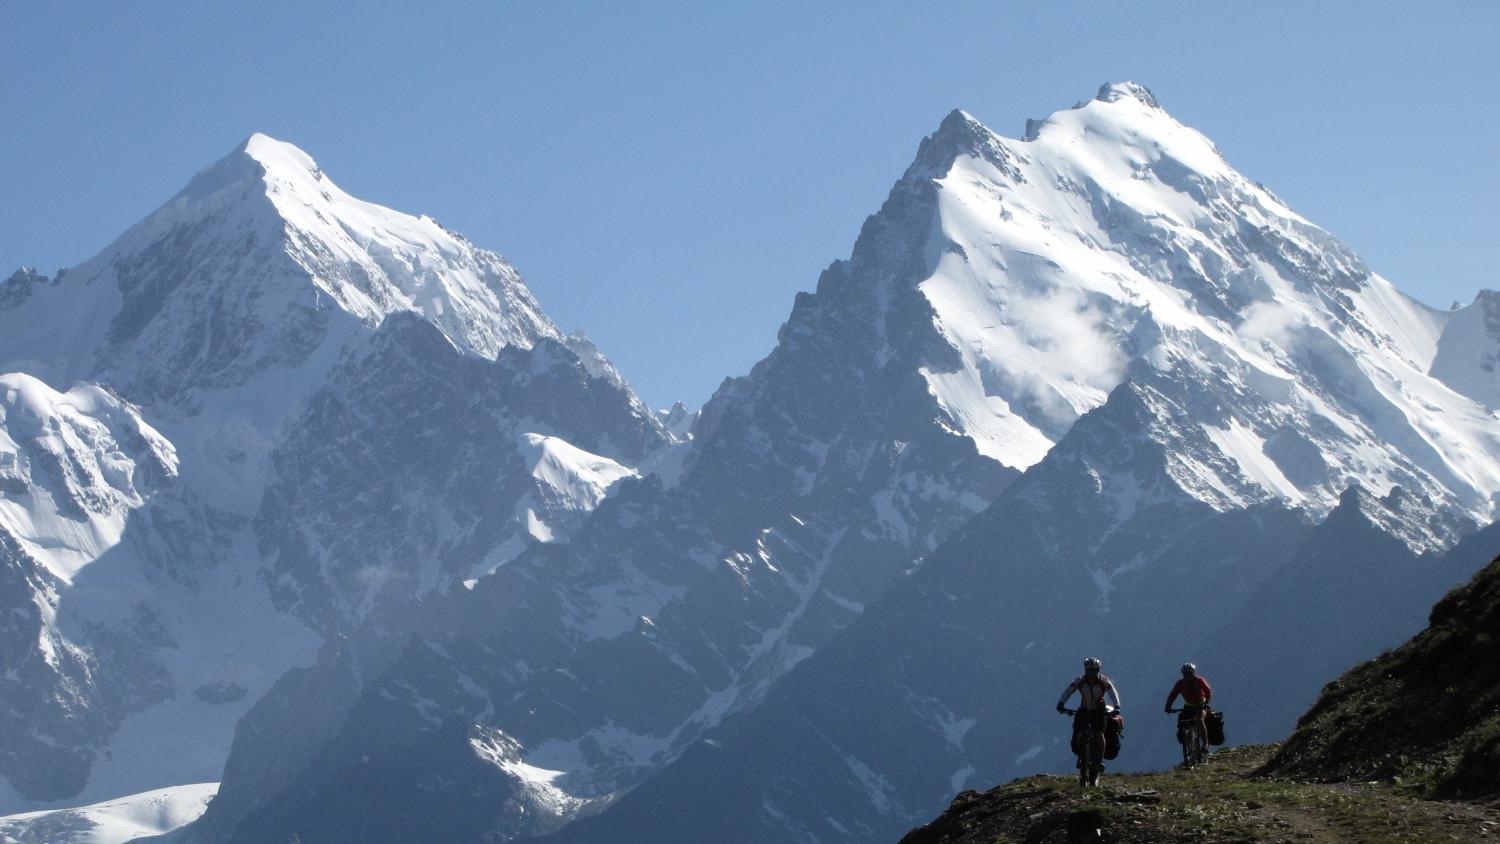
[(1171, 355), (1089, 391), (264, 413)]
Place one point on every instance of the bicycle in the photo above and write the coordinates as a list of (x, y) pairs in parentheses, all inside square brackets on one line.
[(1194, 745), (1090, 761)]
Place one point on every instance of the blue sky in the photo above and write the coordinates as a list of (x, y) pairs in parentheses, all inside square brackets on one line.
[(666, 176)]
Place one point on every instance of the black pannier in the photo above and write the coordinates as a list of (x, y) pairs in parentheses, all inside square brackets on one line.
[(1215, 727)]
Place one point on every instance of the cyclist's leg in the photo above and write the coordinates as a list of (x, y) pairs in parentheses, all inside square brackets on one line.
[(1078, 736)]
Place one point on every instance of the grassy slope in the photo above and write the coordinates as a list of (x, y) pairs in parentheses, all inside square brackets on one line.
[(1427, 713), (1222, 801)]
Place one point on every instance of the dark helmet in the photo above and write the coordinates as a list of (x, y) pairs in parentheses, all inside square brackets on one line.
[(1189, 669), (1091, 664)]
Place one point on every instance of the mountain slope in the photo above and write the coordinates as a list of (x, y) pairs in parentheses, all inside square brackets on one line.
[(130, 818), (348, 397), (1221, 801), (1352, 590), (1426, 713), (74, 467)]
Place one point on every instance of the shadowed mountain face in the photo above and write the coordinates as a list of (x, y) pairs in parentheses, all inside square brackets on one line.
[(308, 409), (794, 640), (949, 682)]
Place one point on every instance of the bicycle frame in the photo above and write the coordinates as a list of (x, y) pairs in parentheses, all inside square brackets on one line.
[(1090, 757), (1194, 742)]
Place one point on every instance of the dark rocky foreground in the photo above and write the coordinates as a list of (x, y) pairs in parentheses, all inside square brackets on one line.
[(1226, 800)]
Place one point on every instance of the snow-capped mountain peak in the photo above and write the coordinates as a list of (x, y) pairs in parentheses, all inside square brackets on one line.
[(1112, 235), (261, 263), (302, 352), (374, 260), (1112, 92)]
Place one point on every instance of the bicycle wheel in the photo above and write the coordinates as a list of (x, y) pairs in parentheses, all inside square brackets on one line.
[(1086, 758)]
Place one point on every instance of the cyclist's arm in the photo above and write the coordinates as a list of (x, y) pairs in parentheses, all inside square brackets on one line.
[(1176, 690), (1208, 691), (1113, 691), (1067, 693)]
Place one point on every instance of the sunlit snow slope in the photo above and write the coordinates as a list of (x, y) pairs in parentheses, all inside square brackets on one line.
[(125, 819), (1111, 235)]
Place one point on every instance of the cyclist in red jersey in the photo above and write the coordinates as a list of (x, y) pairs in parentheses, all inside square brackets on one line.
[(1196, 693)]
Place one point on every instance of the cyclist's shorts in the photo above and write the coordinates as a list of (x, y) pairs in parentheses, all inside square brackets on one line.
[(1086, 716)]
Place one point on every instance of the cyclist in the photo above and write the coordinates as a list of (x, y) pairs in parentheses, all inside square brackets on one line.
[(1196, 693), (1091, 688)]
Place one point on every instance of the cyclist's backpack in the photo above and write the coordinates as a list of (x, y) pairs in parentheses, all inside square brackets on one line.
[(1216, 727), (1114, 732)]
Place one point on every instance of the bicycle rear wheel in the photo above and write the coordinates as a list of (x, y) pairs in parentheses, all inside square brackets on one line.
[(1086, 759)]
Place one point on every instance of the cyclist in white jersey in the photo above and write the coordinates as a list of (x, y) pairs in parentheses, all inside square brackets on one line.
[(1092, 688)]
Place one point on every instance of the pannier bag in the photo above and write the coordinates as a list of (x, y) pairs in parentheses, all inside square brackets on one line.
[(1215, 728), (1114, 732)]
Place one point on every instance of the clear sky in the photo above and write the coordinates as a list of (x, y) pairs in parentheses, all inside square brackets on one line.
[(666, 176)]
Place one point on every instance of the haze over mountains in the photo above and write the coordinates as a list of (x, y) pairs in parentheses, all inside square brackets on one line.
[(286, 467)]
